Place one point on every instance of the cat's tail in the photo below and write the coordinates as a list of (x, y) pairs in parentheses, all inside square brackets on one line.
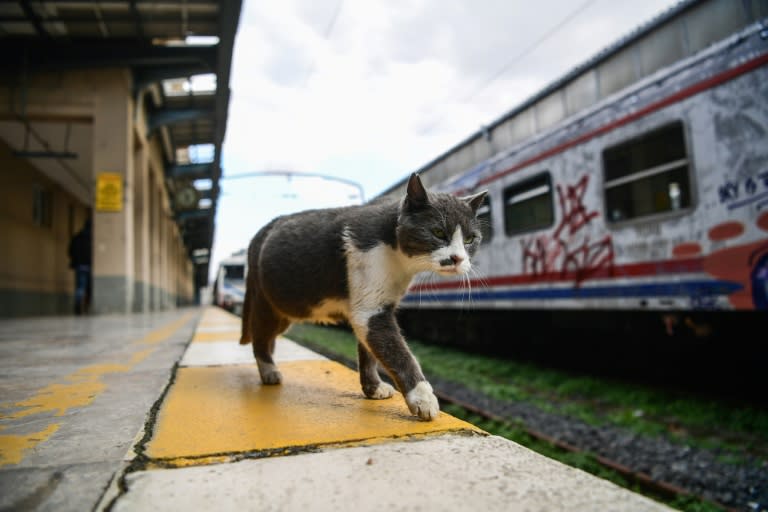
[(251, 282), (245, 334)]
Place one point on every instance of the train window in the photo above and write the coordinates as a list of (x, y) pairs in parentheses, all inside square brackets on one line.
[(484, 218), (528, 205), (647, 175), (234, 271)]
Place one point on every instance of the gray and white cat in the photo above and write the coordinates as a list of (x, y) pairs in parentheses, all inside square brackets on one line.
[(355, 264)]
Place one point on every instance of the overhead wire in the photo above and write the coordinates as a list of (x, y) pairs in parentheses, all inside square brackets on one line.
[(519, 56), (528, 49)]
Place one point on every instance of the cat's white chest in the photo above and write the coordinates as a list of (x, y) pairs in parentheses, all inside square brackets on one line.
[(377, 277)]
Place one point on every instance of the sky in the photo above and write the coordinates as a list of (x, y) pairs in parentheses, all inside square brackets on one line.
[(372, 90)]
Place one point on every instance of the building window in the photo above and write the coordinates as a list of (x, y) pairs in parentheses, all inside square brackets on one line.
[(528, 205), (647, 175), (42, 207), (484, 219)]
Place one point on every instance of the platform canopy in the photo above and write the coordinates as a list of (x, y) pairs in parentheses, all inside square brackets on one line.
[(178, 50)]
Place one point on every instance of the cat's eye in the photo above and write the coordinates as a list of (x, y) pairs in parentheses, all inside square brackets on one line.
[(439, 233), (469, 239)]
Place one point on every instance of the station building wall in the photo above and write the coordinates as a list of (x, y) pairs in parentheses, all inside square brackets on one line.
[(37, 219), (140, 260)]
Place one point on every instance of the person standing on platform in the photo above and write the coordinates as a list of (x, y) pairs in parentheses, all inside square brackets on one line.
[(80, 262)]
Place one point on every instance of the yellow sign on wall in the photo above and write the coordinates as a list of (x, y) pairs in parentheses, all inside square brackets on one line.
[(109, 192)]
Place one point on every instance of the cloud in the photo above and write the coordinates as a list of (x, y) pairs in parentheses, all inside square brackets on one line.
[(405, 78), (373, 90)]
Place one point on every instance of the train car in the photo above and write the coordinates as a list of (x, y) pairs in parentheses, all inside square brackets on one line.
[(229, 285), (644, 217)]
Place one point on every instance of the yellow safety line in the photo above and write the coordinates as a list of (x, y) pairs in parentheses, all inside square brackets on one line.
[(229, 335), (214, 411)]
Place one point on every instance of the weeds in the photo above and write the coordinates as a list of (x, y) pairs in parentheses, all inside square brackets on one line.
[(736, 430)]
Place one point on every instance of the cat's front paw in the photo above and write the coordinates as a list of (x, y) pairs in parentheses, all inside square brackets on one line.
[(422, 401), (270, 375), (271, 378), (382, 391)]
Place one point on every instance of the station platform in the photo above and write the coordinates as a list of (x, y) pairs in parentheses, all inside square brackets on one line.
[(166, 412)]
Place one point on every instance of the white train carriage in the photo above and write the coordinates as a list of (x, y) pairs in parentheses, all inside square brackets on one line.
[(653, 199), (229, 286)]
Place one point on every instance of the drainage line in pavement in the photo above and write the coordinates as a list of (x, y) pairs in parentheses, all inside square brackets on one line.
[(140, 460)]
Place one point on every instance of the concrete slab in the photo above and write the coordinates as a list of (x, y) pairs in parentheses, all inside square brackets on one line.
[(72, 487), (230, 327), (76, 395), (212, 411), (102, 430), (75, 392), (219, 353), (213, 316), (450, 472)]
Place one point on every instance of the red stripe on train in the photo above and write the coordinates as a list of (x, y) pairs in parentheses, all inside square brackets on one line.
[(653, 268)]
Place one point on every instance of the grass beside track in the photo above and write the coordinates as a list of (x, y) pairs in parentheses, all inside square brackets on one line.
[(734, 430)]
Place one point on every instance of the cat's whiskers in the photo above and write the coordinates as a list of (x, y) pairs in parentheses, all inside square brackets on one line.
[(466, 287), (461, 292), (417, 282), (432, 279), (422, 283), (479, 278), (468, 284)]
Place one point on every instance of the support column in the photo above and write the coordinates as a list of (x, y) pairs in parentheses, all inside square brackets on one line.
[(141, 230), (162, 271), (176, 267), (166, 262), (113, 250), (155, 237)]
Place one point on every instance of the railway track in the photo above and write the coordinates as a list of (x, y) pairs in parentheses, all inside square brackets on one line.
[(712, 496), (653, 486)]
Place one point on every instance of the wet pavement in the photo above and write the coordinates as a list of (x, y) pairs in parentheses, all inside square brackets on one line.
[(74, 395), (77, 394)]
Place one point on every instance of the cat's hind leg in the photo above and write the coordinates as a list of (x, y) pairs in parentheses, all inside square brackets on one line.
[(265, 325), (368, 367)]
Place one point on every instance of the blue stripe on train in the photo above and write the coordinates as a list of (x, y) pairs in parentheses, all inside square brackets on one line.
[(684, 289)]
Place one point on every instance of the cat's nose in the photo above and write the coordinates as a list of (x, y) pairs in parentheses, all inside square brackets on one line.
[(456, 259)]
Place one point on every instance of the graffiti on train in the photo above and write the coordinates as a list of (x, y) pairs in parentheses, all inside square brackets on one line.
[(569, 251)]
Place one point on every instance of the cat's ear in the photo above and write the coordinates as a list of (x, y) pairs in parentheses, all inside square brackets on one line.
[(416, 194), (474, 201)]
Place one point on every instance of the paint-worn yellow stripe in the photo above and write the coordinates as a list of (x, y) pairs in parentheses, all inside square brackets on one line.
[(165, 332), (80, 390), (210, 411), (228, 335), (77, 389), (13, 447)]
